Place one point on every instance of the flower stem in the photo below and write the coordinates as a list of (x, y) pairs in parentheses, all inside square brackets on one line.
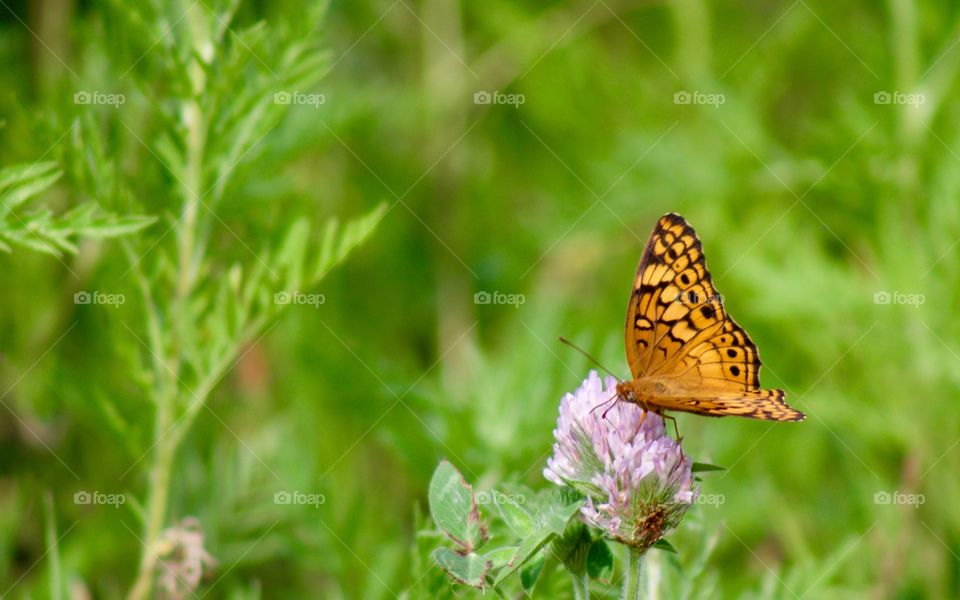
[(631, 580), (654, 563), (581, 585)]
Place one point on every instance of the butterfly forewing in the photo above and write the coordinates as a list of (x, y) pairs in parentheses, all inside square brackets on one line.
[(684, 350), (673, 302)]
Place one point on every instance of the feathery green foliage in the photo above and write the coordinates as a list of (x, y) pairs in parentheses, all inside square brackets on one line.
[(193, 335)]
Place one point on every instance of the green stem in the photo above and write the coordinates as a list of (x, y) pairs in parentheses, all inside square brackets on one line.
[(653, 565), (581, 585), (906, 61), (631, 580), (692, 30), (56, 575), (156, 508), (167, 435)]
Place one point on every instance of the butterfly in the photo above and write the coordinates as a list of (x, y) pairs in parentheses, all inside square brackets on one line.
[(685, 352)]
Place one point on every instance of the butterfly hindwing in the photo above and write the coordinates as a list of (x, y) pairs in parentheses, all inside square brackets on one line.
[(767, 405), (727, 360)]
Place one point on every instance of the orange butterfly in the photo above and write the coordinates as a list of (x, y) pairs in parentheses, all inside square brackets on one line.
[(685, 352)]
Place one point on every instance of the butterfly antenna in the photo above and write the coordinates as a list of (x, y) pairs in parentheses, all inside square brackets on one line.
[(587, 354), (612, 402)]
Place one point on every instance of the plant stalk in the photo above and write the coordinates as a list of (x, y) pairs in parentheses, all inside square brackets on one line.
[(156, 508), (581, 585), (692, 27), (167, 430), (631, 580)]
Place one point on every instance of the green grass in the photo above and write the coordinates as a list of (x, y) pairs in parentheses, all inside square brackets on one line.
[(809, 197)]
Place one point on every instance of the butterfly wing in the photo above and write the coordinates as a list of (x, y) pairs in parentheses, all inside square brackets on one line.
[(673, 299), (767, 405), (679, 333)]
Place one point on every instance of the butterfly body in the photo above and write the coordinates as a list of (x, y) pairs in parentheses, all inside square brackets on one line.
[(685, 352)]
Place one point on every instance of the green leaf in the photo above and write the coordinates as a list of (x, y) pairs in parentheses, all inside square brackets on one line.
[(530, 573), (600, 560), (699, 467), (19, 183), (39, 229), (25, 191), (573, 546), (517, 518), (292, 254), (454, 508), (665, 546), (557, 507), (106, 225), (16, 174), (470, 569), (501, 557), (333, 250)]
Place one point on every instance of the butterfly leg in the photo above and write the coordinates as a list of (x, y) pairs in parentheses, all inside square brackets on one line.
[(676, 429)]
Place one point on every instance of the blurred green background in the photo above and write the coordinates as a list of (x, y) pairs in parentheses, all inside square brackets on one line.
[(818, 157)]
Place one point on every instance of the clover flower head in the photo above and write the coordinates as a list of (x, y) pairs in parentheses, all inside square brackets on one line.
[(636, 478)]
